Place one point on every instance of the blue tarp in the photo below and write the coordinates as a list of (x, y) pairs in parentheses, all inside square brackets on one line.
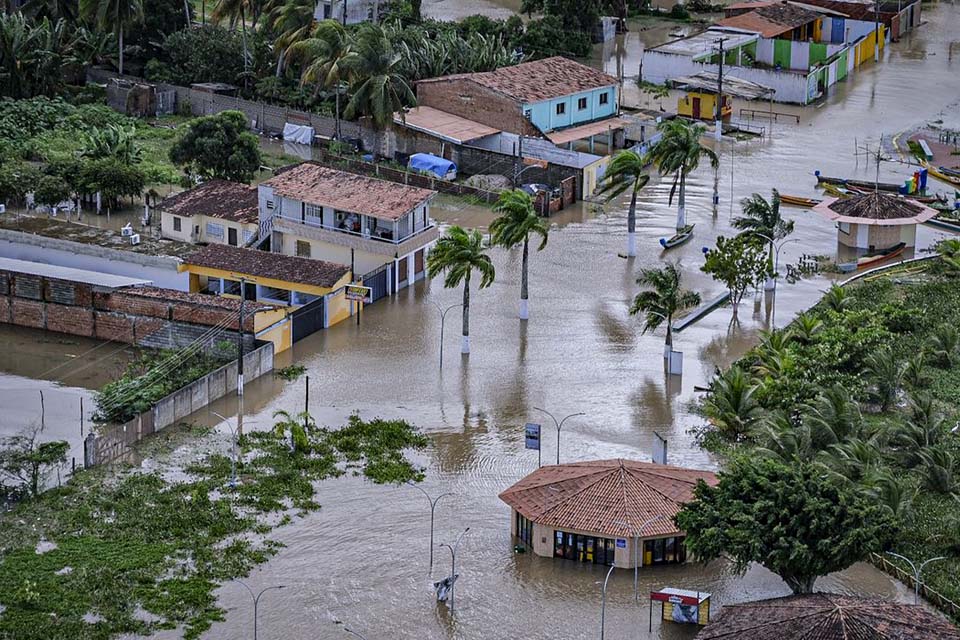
[(435, 165)]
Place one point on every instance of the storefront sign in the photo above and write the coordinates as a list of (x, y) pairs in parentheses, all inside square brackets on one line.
[(621, 544), (358, 293), (531, 432)]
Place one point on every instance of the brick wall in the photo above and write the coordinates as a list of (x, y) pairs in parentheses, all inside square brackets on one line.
[(146, 316), (472, 101)]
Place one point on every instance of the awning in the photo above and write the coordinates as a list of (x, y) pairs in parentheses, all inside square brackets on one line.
[(443, 125), (585, 131)]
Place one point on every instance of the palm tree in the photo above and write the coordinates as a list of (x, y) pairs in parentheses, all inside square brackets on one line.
[(379, 89), (328, 58), (459, 252), (942, 345), (732, 407), (625, 171), (806, 326), (832, 417), (837, 299), (949, 251), (665, 298), (516, 222), (298, 427), (292, 22), (763, 219), (236, 11), (678, 152), (115, 16), (885, 373)]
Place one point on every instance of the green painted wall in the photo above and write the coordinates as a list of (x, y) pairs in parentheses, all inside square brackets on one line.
[(781, 53), (818, 53), (842, 63)]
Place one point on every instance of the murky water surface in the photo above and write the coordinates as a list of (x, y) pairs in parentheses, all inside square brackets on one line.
[(362, 559)]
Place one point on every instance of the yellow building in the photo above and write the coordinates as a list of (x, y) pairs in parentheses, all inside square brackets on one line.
[(308, 294), (215, 212), (702, 105)]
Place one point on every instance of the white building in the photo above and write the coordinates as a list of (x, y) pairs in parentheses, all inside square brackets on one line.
[(381, 229), (344, 12)]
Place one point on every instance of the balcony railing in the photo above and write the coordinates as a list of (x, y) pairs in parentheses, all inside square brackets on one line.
[(383, 236)]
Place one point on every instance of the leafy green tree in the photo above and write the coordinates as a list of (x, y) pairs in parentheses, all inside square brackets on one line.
[(949, 251), (546, 37), (112, 179), (219, 147), (25, 461), (787, 517), (327, 59), (51, 190), (160, 18), (832, 417), (838, 299), (739, 263), (517, 220), (33, 55), (763, 219), (943, 345), (199, 54), (114, 16), (459, 253), (379, 90), (236, 11), (626, 172), (678, 153), (112, 141), (576, 15), (530, 7), (665, 298)]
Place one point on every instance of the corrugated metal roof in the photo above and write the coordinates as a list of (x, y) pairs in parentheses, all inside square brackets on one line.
[(444, 125), (585, 131), (771, 20), (45, 270), (610, 497)]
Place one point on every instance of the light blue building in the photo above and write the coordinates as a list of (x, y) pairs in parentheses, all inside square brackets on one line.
[(573, 109)]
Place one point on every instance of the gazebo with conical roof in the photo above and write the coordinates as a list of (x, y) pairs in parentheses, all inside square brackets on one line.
[(875, 220), (616, 511), (828, 616)]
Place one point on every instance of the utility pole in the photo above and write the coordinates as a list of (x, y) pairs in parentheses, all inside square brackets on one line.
[(243, 295), (876, 18), (719, 131)]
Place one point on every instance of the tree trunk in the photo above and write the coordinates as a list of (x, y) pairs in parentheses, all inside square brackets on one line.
[(243, 34), (524, 294), (632, 226), (668, 344), (336, 125), (120, 69), (800, 584), (465, 337), (682, 201), (770, 283)]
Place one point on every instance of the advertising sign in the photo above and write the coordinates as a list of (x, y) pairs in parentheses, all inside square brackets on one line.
[(531, 433), (358, 293)]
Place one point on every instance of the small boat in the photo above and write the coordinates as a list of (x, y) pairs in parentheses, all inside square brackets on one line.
[(681, 236), (798, 201), (945, 175), (844, 182), (879, 255)]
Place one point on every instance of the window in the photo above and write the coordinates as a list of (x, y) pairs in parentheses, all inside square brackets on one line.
[(664, 551), (247, 236), (312, 211), (844, 227), (303, 248), (605, 97), (327, 11), (581, 104), (269, 205), (176, 223), (232, 236), (561, 108), (525, 530), (215, 230), (587, 549)]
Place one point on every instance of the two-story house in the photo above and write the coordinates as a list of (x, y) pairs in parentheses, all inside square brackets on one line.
[(381, 229), (531, 98), (215, 212)]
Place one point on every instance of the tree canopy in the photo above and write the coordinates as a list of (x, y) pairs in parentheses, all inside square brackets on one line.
[(219, 147), (790, 518)]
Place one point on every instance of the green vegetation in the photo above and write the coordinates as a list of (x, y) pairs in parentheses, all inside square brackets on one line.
[(739, 263), (517, 220), (862, 388), (137, 541), (218, 146), (664, 299), (154, 376), (291, 372), (25, 463), (626, 172), (788, 517), (678, 153)]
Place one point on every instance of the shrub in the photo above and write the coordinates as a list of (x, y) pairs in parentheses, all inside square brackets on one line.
[(679, 12)]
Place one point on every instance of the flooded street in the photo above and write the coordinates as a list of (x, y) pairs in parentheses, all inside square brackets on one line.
[(362, 559)]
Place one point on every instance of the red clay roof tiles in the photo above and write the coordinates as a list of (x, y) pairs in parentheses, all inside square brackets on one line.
[(217, 199), (612, 497), (263, 264)]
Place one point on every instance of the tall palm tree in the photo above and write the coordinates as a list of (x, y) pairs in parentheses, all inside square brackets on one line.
[(115, 16), (379, 89), (678, 152), (328, 60), (460, 252), (763, 219), (732, 407), (235, 11), (665, 298), (516, 222), (292, 23), (625, 171)]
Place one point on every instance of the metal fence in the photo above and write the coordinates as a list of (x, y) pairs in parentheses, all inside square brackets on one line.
[(942, 602)]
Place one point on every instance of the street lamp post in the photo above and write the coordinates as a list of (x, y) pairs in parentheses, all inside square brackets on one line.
[(256, 601), (917, 570), (443, 320), (433, 507), (233, 457), (776, 256), (603, 601), (453, 565), (636, 565), (559, 426)]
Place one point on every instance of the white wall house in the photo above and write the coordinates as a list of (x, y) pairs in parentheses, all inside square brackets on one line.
[(215, 212), (348, 12), (382, 229)]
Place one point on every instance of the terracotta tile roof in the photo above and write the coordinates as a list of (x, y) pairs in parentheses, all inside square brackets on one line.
[(827, 616), (344, 191), (539, 80), (612, 497), (204, 299), (771, 20), (264, 264), (217, 199)]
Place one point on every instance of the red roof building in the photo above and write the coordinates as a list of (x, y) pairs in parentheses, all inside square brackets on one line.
[(616, 512)]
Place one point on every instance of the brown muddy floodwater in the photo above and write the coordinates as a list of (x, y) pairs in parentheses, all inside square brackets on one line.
[(362, 559)]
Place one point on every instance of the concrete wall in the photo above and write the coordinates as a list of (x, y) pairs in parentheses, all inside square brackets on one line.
[(112, 441), (160, 270)]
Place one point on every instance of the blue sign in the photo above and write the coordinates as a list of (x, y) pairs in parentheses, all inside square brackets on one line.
[(531, 433), (621, 544)]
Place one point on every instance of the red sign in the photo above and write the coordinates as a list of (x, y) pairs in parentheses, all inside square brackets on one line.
[(659, 596)]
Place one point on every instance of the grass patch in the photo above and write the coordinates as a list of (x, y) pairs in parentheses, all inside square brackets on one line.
[(132, 540)]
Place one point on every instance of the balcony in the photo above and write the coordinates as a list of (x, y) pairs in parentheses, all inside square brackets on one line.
[(382, 243)]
